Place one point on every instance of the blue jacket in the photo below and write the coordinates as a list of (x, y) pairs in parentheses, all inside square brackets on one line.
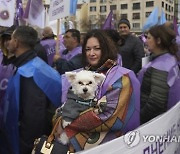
[(45, 77)]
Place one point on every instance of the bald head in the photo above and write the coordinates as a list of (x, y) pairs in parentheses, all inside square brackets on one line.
[(47, 32)]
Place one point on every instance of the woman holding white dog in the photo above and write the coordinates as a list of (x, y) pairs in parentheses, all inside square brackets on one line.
[(118, 96)]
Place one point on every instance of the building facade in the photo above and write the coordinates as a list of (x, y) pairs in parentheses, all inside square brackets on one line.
[(136, 11)]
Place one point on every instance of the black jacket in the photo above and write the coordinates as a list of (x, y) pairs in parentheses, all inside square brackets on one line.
[(154, 94), (132, 52), (41, 51), (36, 111), (63, 65)]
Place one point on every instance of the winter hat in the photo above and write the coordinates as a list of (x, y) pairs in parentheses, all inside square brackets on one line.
[(8, 31), (124, 21)]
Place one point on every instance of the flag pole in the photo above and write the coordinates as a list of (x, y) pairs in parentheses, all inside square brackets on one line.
[(58, 39)]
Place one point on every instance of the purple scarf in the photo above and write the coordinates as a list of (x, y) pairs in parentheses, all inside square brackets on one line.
[(72, 53)]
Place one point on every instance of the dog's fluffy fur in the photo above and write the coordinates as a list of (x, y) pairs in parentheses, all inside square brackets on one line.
[(84, 85)]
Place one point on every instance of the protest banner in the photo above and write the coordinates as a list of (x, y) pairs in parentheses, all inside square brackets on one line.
[(161, 135), (59, 9), (7, 12)]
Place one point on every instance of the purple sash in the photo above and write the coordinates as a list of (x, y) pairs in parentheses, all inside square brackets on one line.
[(168, 63), (5, 73), (72, 53), (50, 46)]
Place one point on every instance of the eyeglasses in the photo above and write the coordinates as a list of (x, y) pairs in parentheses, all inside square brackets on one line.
[(94, 49)]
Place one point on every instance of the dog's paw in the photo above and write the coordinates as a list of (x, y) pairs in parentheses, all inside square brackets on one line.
[(63, 139), (65, 123)]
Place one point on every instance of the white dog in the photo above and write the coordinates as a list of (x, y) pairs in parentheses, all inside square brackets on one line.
[(80, 97)]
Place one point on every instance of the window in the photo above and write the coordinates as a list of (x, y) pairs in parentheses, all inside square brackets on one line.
[(102, 8), (136, 15), (92, 17), (169, 8), (136, 25), (103, 1), (124, 16), (113, 7), (147, 14), (124, 6), (102, 17), (162, 4), (92, 1), (93, 9), (150, 4), (136, 6), (166, 7)]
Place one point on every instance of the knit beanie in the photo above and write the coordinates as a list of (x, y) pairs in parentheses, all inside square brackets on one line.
[(124, 21)]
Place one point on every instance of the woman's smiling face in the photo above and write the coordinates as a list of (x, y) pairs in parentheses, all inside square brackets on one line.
[(93, 51)]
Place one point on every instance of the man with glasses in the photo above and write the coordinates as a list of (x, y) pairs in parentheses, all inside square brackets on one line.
[(70, 58)]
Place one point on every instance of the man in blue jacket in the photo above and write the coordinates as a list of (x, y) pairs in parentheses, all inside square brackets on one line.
[(33, 93)]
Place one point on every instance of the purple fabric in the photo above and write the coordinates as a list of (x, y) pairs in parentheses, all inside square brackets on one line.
[(109, 21), (114, 74), (168, 63), (26, 12), (19, 9), (119, 60), (178, 43), (72, 53), (5, 73), (50, 46)]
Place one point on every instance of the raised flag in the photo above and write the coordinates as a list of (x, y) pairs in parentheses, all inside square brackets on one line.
[(26, 12), (35, 13), (19, 9), (162, 18), (73, 7), (7, 12), (151, 20), (108, 24)]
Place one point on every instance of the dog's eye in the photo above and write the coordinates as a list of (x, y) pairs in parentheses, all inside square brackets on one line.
[(90, 82), (80, 82)]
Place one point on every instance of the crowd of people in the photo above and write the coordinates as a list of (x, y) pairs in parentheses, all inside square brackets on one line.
[(33, 84)]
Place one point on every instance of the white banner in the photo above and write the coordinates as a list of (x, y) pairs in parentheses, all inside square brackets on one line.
[(59, 9), (159, 136), (7, 12)]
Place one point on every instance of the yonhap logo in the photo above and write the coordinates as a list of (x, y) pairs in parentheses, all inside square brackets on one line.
[(132, 138)]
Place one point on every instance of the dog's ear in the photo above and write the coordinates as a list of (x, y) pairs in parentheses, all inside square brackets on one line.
[(99, 77), (70, 76)]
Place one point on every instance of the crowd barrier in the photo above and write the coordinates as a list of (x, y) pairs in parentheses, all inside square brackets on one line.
[(161, 135)]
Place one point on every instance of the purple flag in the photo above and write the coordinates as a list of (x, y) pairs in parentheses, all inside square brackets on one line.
[(19, 11), (34, 13), (26, 12), (109, 21)]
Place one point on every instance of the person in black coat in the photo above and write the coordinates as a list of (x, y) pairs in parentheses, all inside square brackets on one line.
[(132, 50), (28, 116)]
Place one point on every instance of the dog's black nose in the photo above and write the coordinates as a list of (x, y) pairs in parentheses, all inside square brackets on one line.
[(85, 90)]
